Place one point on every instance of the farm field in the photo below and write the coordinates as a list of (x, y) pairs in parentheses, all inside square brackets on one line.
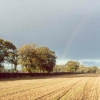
[(65, 87)]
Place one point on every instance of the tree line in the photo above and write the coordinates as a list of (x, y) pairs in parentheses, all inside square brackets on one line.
[(29, 56), (76, 67), (36, 59)]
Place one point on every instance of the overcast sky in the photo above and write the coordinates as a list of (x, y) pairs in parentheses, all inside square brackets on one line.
[(71, 28)]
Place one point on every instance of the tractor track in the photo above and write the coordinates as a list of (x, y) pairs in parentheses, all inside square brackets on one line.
[(56, 91)]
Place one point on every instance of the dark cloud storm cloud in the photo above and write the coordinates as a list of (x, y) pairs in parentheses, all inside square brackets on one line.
[(69, 27)]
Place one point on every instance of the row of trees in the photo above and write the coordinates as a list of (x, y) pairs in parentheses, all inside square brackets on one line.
[(37, 59), (29, 56), (73, 66)]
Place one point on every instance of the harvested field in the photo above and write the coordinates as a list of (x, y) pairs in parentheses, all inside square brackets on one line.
[(65, 87)]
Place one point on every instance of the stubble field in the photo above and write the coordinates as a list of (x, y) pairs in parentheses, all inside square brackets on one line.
[(65, 87)]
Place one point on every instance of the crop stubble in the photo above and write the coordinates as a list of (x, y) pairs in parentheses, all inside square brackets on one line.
[(66, 87)]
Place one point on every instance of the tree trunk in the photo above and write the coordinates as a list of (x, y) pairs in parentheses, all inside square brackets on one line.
[(15, 68)]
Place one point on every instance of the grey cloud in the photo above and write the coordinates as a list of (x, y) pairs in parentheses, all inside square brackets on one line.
[(53, 23)]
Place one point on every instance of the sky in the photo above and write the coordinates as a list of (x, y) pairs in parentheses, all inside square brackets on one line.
[(71, 28)]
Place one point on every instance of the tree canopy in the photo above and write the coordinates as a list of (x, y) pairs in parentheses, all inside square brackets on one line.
[(46, 59), (72, 66), (27, 56), (36, 58), (6, 50)]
